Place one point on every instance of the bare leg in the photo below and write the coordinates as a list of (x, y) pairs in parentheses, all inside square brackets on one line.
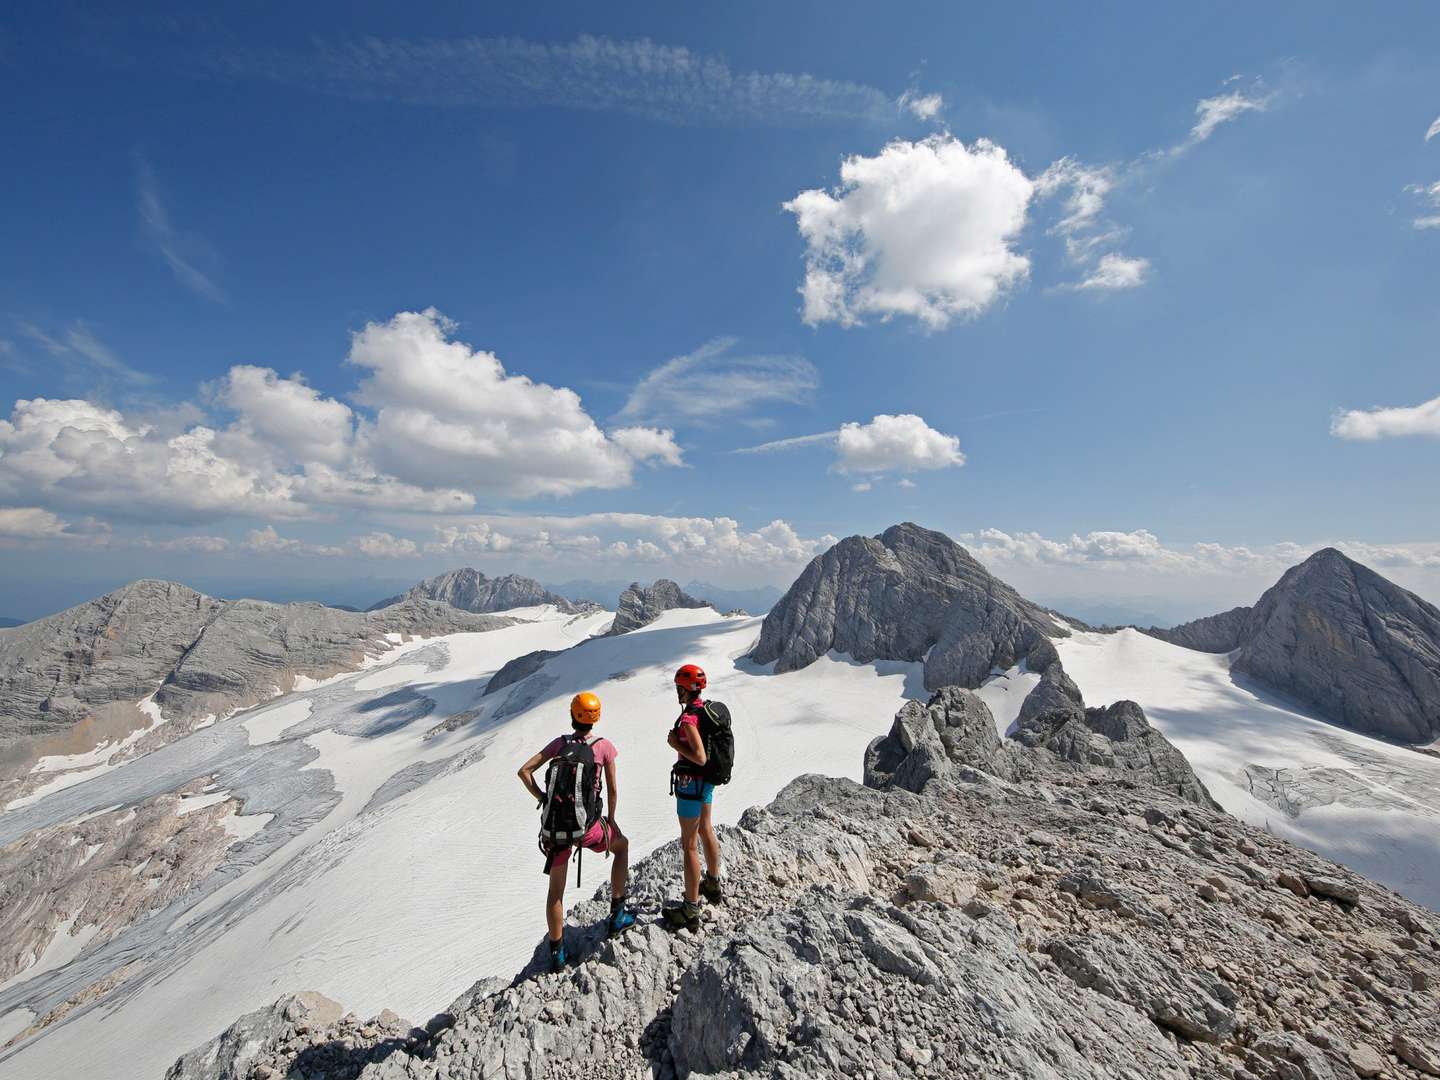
[(689, 837), (710, 842), (555, 902), (620, 872)]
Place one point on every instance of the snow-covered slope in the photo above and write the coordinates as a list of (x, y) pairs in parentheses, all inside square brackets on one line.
[(1372, 805), (400, 863)]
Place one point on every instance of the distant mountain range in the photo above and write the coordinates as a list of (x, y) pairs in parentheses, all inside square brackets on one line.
[(757, 600)]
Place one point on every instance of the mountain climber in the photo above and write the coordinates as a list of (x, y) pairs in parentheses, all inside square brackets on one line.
[(701, 736), (570, 815)]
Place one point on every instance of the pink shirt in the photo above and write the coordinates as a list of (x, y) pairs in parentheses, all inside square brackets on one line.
[(603, 749), (691, 716)]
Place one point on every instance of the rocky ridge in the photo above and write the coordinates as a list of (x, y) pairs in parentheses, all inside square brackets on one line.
[(1020, 913), (640, 605), (1335, 635), (908, 594), (71, 682), (470, 590)]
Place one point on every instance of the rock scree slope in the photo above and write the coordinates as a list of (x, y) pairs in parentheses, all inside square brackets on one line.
[(977, 908), (1335, 635), (908, 594)]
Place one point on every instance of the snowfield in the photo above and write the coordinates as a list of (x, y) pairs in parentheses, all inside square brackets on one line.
[(1369, 804), (396, 859)]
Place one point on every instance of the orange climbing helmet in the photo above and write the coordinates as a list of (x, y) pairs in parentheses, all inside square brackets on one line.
[(690, 677), (585, 708)]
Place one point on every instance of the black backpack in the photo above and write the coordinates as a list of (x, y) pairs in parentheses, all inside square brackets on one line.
[(572, 795), (718, 739)]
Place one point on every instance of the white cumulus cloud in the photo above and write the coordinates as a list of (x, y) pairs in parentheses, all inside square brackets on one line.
[(1386, 423), (447, 414), (31, 523), (922, 229), (382, 545), (288, 415), (903, 443)]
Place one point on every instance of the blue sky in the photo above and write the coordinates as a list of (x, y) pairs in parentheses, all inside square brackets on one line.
[(1112, 295)]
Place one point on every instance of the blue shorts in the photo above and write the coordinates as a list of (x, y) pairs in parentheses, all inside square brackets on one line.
[(691, 793)]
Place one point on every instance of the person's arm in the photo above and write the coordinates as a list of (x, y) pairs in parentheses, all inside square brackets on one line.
[(612, 794), (527, 776), (691, 746)]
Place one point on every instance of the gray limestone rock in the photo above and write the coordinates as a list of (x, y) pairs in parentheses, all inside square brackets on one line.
[(1194, 1004), (231, 1054), (1117, 737), (522, 667), (640, 605), (926, 742), (470, 590), (1335, 635), (71, 681), (908, 594), (1214, 633)]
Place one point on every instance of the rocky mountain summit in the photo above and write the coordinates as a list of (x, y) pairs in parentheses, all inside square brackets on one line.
[(976, 908), (70, 682), (908, 594), (470, 590), (1335, 635), (640, 605)]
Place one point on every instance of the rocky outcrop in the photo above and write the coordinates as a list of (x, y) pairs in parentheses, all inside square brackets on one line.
[(1073, 921), (1336, 636), (908, 594), (953, 736), (71, 682), (1214, 633), (470, 590), (640, 605)]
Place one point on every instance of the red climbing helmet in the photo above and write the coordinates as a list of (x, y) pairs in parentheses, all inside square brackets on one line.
[(690, 677)]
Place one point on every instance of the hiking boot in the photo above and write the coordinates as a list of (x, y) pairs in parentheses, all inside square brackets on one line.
[(711, 889), (620, 921), (682, 916), (557, 959)]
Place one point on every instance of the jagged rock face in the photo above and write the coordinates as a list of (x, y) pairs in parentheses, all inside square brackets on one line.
[(927, 742), (954, 735), (470, 590), (1117, 737), (640, 605), (1109, 930), (71, 681), (1337, 635), (908, 594), (1214, 633)]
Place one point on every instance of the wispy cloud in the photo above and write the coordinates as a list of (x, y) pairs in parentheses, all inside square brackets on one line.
[(1429, 196), (640, 77), (175, 247), (1433, 130), (711, 382), (790, 444), (84, 354)]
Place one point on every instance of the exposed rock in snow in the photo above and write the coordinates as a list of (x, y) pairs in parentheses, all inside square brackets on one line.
[(470, 590), (1213, 633), (70, 682), (1066, 920), (640, 605), (908, 594), (1334, 634)]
